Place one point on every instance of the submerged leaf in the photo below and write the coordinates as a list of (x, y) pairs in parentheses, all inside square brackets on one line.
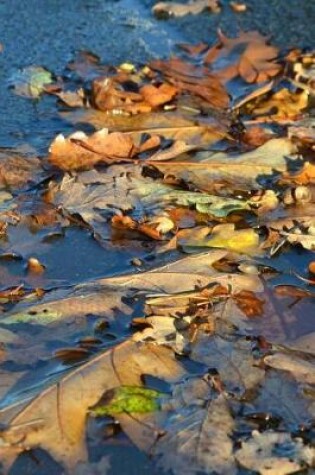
[(198, 433), (127, 399), (31, 81), (248, 170), (223, 236), (272, 453), (55, 420)]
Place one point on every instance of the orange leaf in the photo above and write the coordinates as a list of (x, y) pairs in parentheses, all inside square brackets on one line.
[(157, 96)]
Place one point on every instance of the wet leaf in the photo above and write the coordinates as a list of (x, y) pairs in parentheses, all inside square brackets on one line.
[(157, 96), (127, 399), (198, 434), (248, 170), (255, 59), (302, 369), (17, 171), (274, 453), (55, 420), (31, 81), (81, 152), (305, 176), (223, 236), (194, 80), (281, 105), (193, 7)]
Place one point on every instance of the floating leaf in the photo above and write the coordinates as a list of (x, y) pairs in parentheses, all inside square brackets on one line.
[(31, 81)]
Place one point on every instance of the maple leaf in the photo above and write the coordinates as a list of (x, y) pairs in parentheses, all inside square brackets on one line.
[(248, 56)]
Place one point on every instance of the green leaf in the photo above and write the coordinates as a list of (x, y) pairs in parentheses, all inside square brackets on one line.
[(127, 399), (43, 317), (30, 81)]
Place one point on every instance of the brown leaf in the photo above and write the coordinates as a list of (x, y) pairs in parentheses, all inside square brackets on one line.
[(56, 419), (196, 80), (249, 303), (157, 96), (253, 57), (17, 171), (79, 151), (108, 95), (255, 136), (206, 171), (282, 105), (125, 222)]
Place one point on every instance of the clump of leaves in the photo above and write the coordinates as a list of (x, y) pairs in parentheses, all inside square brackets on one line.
[(188, 154)]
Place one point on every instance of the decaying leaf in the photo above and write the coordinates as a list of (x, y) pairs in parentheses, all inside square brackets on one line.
[(198, 433), (301, 368), (275, 453), (222, 236), (178, 158), (282, 104), (195, 80), (127, 399), (82, 152), (55, 420), (193, 7), (255, 59), (17, 171), (247, 170)]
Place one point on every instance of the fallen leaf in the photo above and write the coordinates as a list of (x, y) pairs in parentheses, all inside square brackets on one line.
[(193, 7), (302, 369), (274, 453), (157, 96), (127, 399), (97, 196), (198, 435), (282, 105), (255, 136), (232, 359), (305, 176), (223, 236), (79, 151), (17, 171), (55, 420), (195, 80), (248, 56), (247, 170), (30, 81)]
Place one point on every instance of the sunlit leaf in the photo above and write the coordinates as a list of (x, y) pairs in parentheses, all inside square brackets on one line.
[(127, 399)]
